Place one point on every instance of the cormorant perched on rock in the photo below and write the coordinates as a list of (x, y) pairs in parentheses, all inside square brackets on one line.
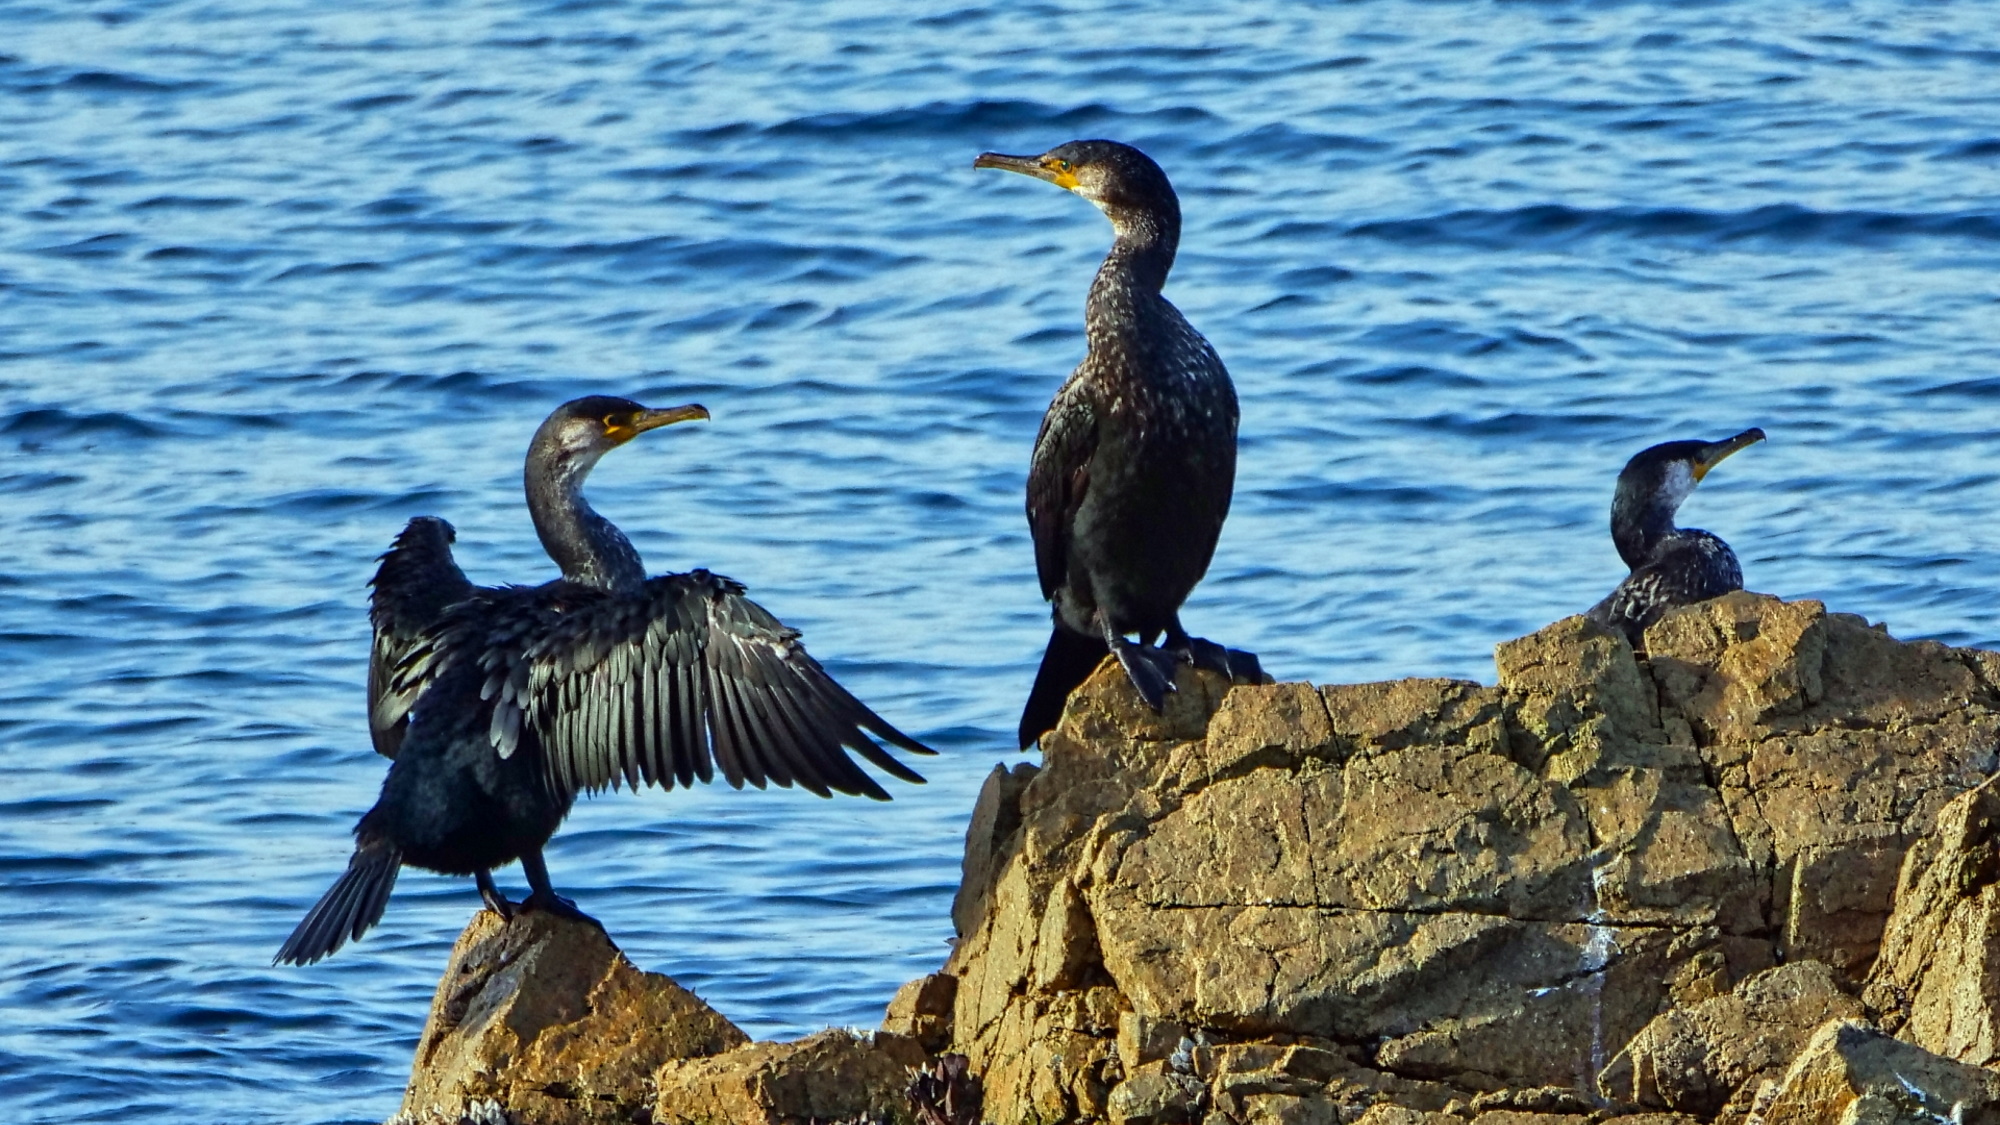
[(1671, 566), (1136, 458), (500, 704)]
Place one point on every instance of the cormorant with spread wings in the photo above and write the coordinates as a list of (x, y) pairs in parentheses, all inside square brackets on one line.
[(499, 705)]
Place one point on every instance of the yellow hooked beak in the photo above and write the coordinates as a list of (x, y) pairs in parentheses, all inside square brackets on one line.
[(1057, 172), (626, 429), (1712, 455)]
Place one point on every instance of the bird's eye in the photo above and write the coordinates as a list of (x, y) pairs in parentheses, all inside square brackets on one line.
[(1064, 166), (611, 421)]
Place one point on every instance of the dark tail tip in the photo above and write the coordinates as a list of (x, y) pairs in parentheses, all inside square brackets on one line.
[(1066, 663), (347, 911)]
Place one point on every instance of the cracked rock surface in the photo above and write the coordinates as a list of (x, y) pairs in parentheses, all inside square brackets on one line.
[(1298, 904), (1609, 890), (541, 1021)]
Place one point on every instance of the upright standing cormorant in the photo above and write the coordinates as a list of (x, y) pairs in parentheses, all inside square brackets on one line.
[(1671, 566), (500, 704), (1136, 456)]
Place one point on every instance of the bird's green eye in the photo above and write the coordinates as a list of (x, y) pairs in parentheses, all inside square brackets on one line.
[(1064, 166)]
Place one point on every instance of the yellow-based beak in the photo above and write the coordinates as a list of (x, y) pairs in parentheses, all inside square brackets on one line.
[(654, 419), (1712, 455), (1027, 166)]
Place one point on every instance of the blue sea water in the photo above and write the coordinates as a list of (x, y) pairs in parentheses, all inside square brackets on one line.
[(275, 276)]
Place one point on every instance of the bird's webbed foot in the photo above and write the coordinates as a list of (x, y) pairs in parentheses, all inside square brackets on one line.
[(553, 903), (1241, 667), (1150, 670), (543, 895), (495, 901)]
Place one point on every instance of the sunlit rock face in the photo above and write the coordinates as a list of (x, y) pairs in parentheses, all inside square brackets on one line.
[(1644, 889), (542, 1021), (1294, 903)]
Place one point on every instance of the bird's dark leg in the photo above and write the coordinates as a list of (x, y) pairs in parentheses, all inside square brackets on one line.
[(542, 895), (1150, 670), (1241, 667), (495, 901)]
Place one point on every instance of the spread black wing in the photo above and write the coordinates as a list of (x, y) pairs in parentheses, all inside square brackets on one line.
[(1058, 478), (660, 687), (417, 581)]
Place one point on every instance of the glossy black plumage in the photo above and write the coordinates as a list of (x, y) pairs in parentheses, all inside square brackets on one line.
[(501, 704), (1136, 458), (416, 582), (1671, 566)]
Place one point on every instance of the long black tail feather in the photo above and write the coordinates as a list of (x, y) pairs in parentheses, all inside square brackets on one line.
[(1066, 663), (347, 911)]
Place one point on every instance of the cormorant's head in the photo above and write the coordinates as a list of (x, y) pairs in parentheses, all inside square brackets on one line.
[(1656, 481), (584, 429), (1118, 178)]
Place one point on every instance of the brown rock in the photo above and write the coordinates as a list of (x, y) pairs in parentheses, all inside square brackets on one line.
[(825, 1077), (1832, 745), (1692, 1059), (1456, 887), (543, 1018), (1397, 1115), (1156, 1094), (1288, 1109), (921, 1010), (1142, 1040), (996, 816), (1409, 903), (1852, 1074), (1937, 981), (1400, 903)]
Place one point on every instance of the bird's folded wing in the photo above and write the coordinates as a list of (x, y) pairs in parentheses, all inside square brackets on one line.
[(1695, 568), (670, 686), (417, 581), (1058, 477)]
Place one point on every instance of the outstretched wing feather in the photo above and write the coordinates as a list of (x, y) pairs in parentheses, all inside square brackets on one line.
[(691, 679), (683, 680), (415, 584)]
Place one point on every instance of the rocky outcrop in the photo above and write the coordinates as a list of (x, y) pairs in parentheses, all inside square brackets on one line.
[(541, 1021), (1607, 889), (825, 1077), (1289, 903)]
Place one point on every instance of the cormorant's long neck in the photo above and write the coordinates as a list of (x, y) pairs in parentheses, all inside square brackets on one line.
[(1639, 526), (1141, 254), (590, 550)]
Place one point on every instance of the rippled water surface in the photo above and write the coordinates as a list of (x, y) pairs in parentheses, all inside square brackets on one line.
[(276, 276)]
